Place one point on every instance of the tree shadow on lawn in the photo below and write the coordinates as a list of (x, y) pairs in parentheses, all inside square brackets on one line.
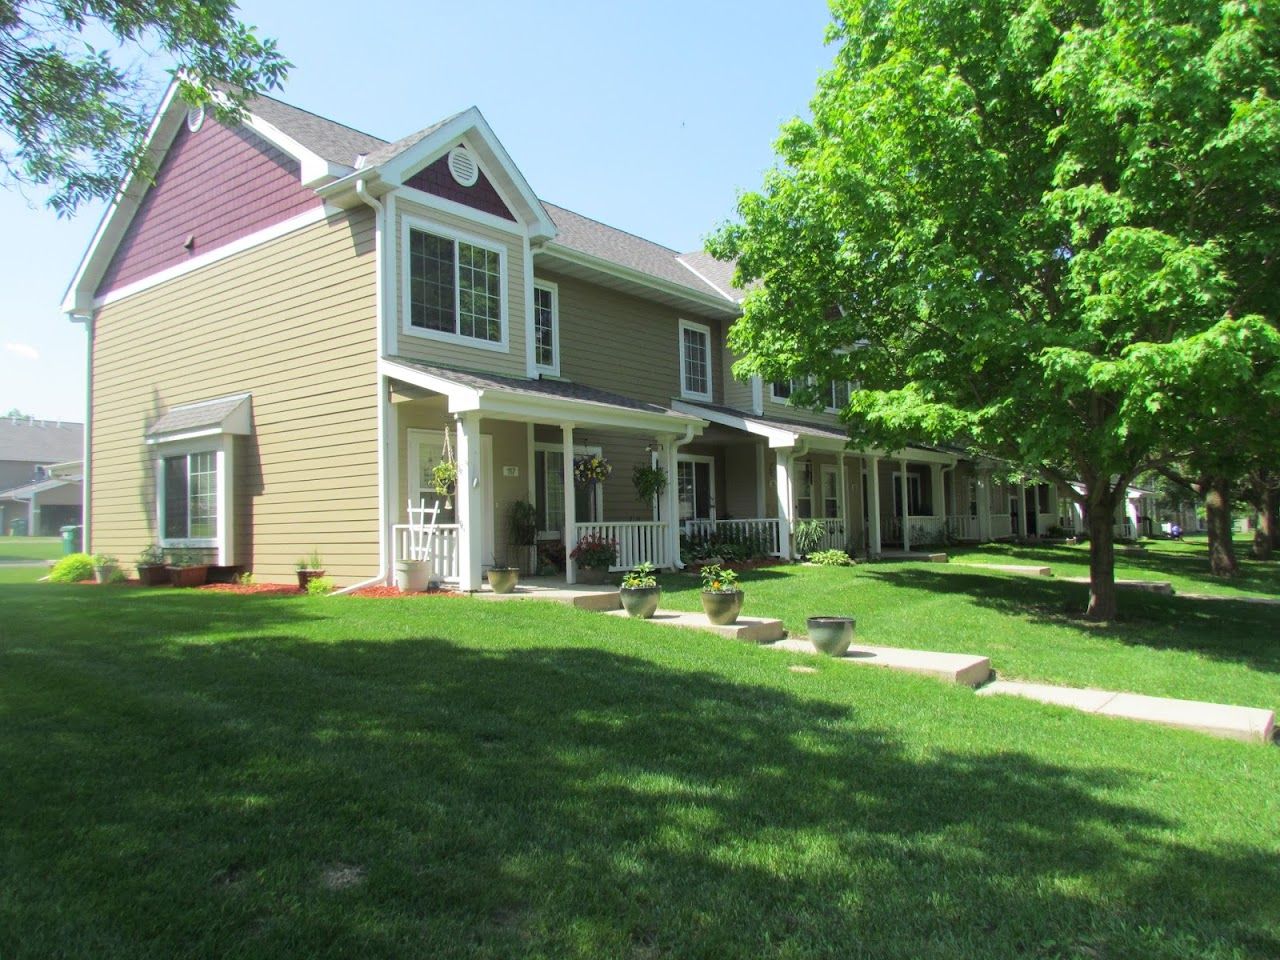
[(1235, 631), (268, 796)]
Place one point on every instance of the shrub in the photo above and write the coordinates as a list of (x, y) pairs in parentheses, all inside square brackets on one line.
[(320, 586), (808, 534), (831, 558), (72, 568)]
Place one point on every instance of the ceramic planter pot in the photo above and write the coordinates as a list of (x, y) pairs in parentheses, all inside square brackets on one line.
[(640, 602), (722, 609), (831, 635), (306, 576), (153, 575), (413, 576), (503, 579), (106, 573), (188, 576), (591, 575)]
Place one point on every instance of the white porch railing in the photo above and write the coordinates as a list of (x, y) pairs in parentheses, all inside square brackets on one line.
[(765, 531), (639, 541), (962, 527), (1124, 530), (442, 551), (1044, 521), (833, 537), (927, 529), (1001, 526)]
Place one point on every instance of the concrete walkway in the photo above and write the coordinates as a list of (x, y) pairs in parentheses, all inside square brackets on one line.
[(899, 555), (963, 668), (1033, 571), (1150, 586), (746, 629), (1250, 724), (1239, 598)]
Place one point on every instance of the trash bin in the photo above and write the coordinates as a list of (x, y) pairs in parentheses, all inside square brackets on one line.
[(70, 540)]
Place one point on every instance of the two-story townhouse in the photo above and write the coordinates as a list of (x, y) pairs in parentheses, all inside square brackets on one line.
[(294, 322)]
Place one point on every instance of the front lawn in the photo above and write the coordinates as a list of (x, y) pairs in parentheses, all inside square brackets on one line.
[(29, 549), (200, 774), (1216, 650)]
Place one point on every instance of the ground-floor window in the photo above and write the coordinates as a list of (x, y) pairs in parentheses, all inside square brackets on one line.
[(695, 483), (804, 489), (190, 502), (915, 495), (830, 492), (548, 482)]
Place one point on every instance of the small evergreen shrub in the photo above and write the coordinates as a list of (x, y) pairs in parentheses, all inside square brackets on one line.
[(72, 568), (320, 586), (831, 558)]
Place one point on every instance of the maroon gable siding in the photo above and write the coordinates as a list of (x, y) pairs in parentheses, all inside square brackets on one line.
[(214, 186), (481, 195)]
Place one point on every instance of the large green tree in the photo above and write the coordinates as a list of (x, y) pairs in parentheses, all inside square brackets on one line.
[(1038, 226), (73, 113)]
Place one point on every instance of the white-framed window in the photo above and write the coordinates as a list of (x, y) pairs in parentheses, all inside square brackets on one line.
[(695, 360), (780, 390), (804, 489), (915, 494), (454, 286), (696, 487), (548, 499), (838, 395), (188, 485), (546, 327)]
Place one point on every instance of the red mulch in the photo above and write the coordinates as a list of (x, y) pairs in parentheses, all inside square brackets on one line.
[(392, 592), (262, 589)]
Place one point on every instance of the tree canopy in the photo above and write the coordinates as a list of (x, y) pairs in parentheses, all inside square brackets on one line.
[(73, 117), (1040, 227)]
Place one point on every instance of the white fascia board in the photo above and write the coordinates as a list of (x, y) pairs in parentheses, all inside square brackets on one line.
[(776, 436), (78, 298), (520, 406), (316, 170), (728, 295), (720, 307), (460, 397)]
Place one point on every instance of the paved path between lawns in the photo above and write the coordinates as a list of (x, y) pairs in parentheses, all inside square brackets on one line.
[(1240, 598), (1250, 724)]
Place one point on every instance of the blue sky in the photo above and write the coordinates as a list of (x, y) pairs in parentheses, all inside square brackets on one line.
[(649, 116)]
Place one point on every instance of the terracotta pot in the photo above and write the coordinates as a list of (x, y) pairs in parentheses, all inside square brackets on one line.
[(188, 576), (831, 635), (503, 579), (153, 575), (722, 609), (306, 576), (640, 602)]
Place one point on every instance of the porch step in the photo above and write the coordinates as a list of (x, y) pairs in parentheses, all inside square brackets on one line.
[(1012, 568), (746, 629), (967, 669), (1163, 587), (1250, 724), (602, 598)]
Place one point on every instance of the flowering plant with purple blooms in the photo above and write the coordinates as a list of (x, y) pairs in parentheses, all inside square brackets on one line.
[(590, 469)]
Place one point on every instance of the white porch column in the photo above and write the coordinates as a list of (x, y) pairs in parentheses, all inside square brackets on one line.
[(843, 499), (570, 504), (906, 505), (760, 481), (470, 494), (1022, 511), (671, 500), (984, 505), (786, 504), (939, 497), (873, 504)]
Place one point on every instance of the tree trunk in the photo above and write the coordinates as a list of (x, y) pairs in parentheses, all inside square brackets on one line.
[(1217, 509), (1102, 562), (1264, 538)]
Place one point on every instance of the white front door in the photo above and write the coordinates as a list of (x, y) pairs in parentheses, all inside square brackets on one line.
[(426, 449), (696, 485)]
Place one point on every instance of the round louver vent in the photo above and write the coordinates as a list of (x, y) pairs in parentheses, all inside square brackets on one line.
[(463, 166), (195, 118)]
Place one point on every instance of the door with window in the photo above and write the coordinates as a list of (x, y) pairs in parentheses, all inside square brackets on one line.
[(696, 484), (426, 450), (548, 492), (830, 489)]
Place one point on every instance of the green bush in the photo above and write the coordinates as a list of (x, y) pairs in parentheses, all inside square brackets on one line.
[(831, 558), (320, 586), (72, 568)]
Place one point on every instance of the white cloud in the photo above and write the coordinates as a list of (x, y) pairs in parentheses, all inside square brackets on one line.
[(23, 350)]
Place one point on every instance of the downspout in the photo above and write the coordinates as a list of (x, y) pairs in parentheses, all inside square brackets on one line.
[(379, 228), (86, 469)]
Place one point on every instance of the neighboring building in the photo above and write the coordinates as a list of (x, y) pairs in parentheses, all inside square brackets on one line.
[(33, 500), (298, 321)]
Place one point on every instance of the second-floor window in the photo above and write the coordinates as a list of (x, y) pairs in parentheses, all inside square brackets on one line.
[(546, 328), (455, 287), (695, 360), (839, 398)]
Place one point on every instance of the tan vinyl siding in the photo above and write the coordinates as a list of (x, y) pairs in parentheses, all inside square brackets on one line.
[(293, 323), (785, 411), (625, 344), (509, 362), (737, 393)]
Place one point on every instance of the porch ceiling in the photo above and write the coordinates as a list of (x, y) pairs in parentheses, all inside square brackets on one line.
[(539, 401)]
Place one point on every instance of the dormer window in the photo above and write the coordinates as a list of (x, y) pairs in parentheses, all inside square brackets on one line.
[(454, 288)]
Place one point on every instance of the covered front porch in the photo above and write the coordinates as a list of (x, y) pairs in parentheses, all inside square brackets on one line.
[(516, 442)]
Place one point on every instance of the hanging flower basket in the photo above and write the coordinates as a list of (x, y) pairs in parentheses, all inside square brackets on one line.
[(591, 469)]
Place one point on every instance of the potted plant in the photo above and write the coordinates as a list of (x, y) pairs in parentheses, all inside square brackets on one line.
[(721, 595), (640, 592), (412, 576), (444, 479), (187, 569), (106, 569), (831, 635), (152, 571), (503, 579), (650, 482), (523, 530), (309, 568), (594, 555)]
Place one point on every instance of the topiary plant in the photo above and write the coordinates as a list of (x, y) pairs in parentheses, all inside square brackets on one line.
[(72, 568)]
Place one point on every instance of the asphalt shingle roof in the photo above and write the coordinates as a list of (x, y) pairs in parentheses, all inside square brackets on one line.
[(206, 415), (795, 426), (334, 141), (40, 441)]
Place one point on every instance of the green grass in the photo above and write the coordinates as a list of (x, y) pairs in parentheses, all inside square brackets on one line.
[(29, 549), (198, 774), (1030, 627), (1185, 564)]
